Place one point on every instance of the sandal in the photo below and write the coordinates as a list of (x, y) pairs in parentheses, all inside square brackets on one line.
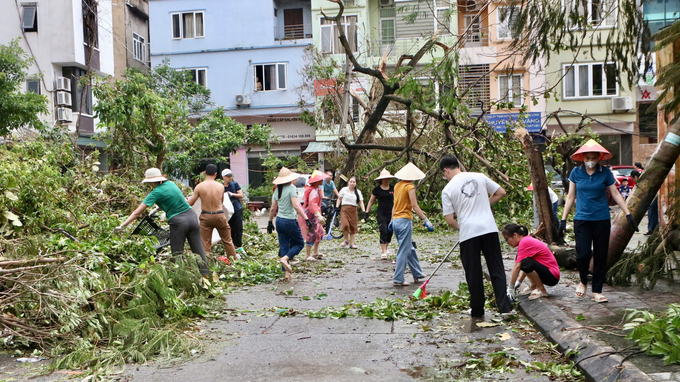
[(526, 291), (353, 246), (318, 256), (401, 284), (344, 243), (537, 294), (417, 280), (383, 256), (285, 265), (581, 291), (599, 297), (311, 258)]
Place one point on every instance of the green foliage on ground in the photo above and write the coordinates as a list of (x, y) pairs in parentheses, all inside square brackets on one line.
[(656, 334), (18, 108)]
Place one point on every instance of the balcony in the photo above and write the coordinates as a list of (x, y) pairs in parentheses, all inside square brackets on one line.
[(475, 37), (292, 33)]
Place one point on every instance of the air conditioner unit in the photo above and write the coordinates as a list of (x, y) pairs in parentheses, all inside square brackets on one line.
[(64, 114), (64, 83), (64, 99), (386, 3), (622, 103), (242, 99)]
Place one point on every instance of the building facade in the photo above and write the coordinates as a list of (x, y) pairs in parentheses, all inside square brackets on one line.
[(67, 40), (131, 35), (250, 55)]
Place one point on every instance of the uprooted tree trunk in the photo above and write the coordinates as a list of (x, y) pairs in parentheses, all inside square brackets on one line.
[(538, 179), (644, 192)]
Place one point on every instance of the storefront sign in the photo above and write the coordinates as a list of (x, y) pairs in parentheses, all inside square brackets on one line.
[(645, 93), (499, 122)]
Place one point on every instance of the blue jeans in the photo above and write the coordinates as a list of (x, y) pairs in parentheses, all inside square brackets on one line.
[(653, 214), (406, 254), (290, 237)]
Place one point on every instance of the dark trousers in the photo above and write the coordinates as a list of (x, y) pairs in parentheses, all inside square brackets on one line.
[(290, 237), (385, 234), (183, 227), (236, 224), (592, 241), (653, 214), (470, 251), (528, 265)]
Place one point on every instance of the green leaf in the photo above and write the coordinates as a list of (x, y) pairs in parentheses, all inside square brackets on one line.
[(11, 196), (580, 318)]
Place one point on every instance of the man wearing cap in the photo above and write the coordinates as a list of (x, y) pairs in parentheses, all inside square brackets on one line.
[(182, 220), (233, 190), (467, 196), (588, 185), (212, 217)]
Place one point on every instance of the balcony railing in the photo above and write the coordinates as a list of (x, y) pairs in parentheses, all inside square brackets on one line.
[(292, 32), (476, 37)]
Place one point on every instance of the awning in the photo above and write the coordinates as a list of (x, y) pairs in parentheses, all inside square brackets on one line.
[(89, 142), (319, 147)]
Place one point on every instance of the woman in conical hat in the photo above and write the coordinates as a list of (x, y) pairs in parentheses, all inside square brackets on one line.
[(312, 207), (384, 194), (285, 205), (588, 185), (405, 203)]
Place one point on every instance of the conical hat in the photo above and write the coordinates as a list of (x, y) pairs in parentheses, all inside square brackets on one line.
[(317, 176), (409, 172), (285, 176), (530, 187), (384, 174), (591, 147)]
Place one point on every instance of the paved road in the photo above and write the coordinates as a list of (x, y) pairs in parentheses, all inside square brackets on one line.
[(254, 343)]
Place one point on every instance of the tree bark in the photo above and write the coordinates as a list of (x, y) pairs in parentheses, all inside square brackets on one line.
[(540, 183), (644, 192)]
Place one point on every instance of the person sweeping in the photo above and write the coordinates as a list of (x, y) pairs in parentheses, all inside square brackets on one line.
[(285, 205), (384, 194), (405, 204), (312, 208)]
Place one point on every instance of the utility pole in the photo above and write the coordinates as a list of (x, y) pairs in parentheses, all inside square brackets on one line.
[(345, 102)]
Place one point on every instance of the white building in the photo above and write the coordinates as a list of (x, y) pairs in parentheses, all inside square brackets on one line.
[(66, 39)]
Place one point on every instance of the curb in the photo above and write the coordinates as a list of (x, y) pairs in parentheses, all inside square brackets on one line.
[(552, 322)]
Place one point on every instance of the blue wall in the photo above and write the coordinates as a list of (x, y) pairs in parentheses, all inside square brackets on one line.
[(238, 34)]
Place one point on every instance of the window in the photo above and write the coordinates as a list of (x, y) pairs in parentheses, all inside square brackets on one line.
[(269, 77), (443, 19), (90, 23), (473, 25), (507, 17), (139, 47), (81, 94), (590, 80), (29, 21), (33, 86), (510, 88), (474, 82), (601, 13), (387, 23), (198, 75), (330, 39), (356, 109), (648, 124), (187, 25)]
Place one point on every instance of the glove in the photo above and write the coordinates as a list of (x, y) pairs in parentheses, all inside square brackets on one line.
[(428, 225), (631, 221), (270, 228), (563, 227), (390, 228), (229, 194), (337, 209), (517, 284), (309, 224), (511, 294), (366, 215), (120, 228)]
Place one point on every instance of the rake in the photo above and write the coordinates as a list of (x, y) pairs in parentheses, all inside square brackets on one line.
[(422, 292)]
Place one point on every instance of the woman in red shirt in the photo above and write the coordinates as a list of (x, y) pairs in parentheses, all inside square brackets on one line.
[(533, 258), (312, 207)]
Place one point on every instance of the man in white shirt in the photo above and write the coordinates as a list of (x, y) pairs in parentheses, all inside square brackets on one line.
[(467, 196)]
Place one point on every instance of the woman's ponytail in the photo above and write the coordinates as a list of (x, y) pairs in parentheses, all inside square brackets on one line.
[(513, 228)]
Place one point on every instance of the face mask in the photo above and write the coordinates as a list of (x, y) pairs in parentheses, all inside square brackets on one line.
[(591, 164)]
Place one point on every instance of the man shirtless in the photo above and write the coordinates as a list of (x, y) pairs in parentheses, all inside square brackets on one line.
[(211, 194)]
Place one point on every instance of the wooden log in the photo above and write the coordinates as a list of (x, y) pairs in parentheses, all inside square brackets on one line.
[(565, 256), (23, 263), (645, 190)]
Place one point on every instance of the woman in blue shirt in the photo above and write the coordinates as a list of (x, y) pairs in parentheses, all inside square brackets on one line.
[(587, 185)]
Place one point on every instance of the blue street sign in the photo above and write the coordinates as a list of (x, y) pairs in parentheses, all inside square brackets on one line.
[(531, 120)]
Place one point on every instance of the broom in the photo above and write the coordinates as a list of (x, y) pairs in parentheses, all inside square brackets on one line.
[(422, 292)]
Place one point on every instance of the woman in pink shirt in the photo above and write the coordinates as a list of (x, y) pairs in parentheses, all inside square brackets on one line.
[(533, 258)]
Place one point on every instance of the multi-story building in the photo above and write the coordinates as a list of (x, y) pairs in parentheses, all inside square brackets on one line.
[(250, 55), (67, 39), (131, 35)]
